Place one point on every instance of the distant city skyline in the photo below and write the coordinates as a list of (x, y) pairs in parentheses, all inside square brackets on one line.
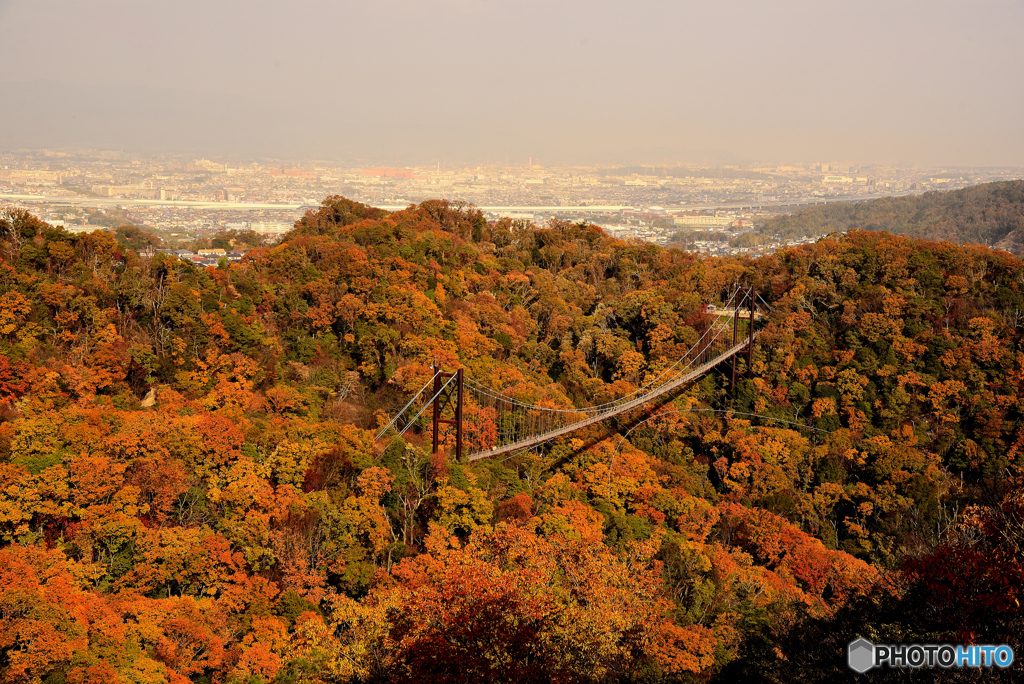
[(408, 82)]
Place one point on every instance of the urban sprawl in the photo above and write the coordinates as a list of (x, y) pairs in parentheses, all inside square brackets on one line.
[(702, 207)]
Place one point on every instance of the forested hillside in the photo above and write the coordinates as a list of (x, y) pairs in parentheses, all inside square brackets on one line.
[(190, 490), (989, 214)]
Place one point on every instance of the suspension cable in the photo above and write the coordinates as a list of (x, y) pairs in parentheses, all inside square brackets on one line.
[(598, 408), (404, 408), (607, 406), (659, 384), (424, 407)]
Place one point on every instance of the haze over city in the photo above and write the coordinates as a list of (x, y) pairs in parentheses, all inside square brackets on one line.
[(465, 81)]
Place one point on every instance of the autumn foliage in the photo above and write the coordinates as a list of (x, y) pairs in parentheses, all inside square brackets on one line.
[(190, 489)]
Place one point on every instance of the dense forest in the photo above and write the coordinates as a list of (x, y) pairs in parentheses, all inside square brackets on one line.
[(190, 489), (989, 214)]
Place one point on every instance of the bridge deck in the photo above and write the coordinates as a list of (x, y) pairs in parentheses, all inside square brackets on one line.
[(628, 406)]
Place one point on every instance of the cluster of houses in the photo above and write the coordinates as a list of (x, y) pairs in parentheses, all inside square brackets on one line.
[(205, 257)]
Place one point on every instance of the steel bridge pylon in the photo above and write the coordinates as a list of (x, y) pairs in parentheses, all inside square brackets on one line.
[(751, 297), (447, 396)]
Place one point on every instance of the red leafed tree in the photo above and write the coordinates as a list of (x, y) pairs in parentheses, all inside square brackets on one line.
[(514, 606), (976, 583), (12, 382)]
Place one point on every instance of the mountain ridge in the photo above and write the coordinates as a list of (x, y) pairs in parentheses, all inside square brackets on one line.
[(989, 214)]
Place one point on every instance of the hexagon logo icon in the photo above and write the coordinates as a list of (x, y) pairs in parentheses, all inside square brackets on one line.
[(860, 655)]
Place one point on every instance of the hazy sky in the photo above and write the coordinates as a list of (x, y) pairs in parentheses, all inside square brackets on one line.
[(407, 81)]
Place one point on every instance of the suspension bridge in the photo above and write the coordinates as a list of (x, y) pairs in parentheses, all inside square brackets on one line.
[(504, 425)]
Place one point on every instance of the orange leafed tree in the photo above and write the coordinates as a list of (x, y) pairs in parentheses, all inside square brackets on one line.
[(514, 606)]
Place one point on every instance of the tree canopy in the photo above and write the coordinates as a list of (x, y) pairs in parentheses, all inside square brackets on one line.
[(988, 214), (190, 487)]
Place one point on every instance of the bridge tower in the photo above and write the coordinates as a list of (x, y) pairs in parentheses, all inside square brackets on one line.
[(750, 335), (451, 397), (749, 297)]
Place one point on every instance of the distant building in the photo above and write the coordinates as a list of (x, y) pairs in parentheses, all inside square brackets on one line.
[(31, 176), (208, 165), (136, 191), (702, 220), (270, 227)]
